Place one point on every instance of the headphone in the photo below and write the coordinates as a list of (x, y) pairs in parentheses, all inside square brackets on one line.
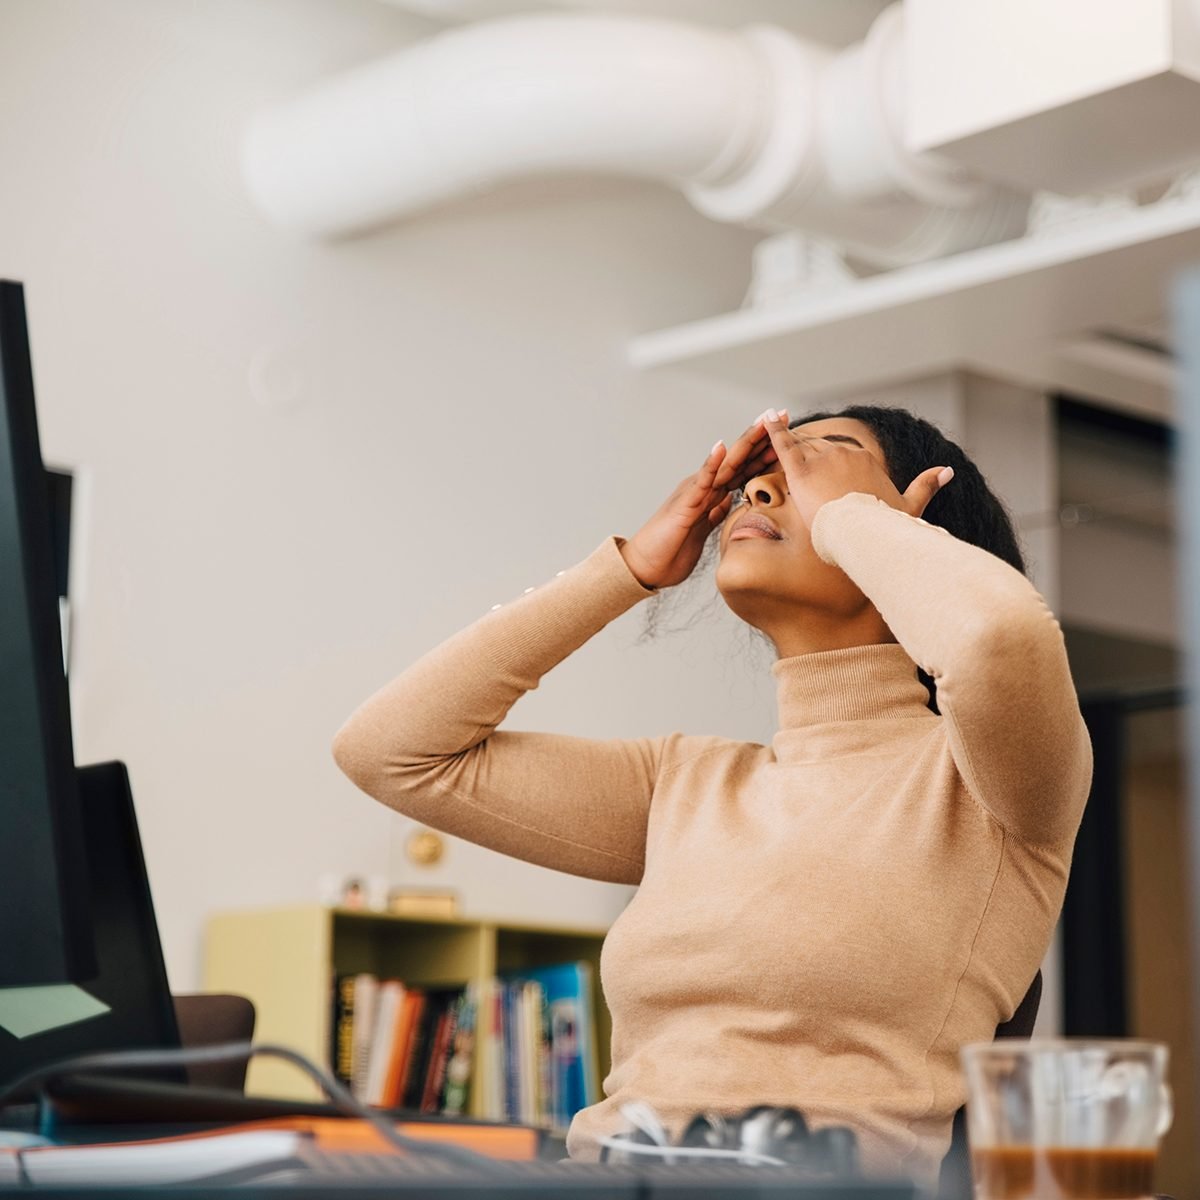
[(766, 1135)]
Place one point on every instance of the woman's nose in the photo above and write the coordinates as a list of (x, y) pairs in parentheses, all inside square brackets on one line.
[(766, 491)]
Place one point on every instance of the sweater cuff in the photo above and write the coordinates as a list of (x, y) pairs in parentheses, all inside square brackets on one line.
[(832, 516), (614, 565), (844, 512)]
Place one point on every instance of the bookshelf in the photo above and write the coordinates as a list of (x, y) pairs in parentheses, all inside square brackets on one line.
[(285, 959)]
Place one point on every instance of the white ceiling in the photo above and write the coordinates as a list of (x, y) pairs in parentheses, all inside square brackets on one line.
[(833, 22)]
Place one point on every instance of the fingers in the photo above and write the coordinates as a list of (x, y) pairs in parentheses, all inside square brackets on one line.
[(751, 445), (724, 468), (783, 440), (702, 483), (720, 511), (922, 490), (756, 466), (712, 464)]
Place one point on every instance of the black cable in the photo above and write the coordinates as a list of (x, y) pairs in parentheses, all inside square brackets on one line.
[(339, 1095)]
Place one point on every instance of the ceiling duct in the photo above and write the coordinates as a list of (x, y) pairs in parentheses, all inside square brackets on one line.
[(756, 127)]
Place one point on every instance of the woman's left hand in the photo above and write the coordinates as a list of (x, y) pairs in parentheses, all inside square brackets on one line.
[(818, 471)]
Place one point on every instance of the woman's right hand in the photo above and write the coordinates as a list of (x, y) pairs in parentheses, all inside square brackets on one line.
[(665, 550)]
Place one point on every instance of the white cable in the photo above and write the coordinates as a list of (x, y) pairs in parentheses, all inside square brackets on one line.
[(641, 1116), (748, 1157)]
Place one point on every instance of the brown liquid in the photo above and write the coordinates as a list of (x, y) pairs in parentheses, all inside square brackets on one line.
[(1050, 1173)]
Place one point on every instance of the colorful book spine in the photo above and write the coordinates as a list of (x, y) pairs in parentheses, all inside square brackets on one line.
[(568, 1004), (438, 1002), (391, 1000), (536, 1111), (519, 1047), (366, 995), (436, 1071), (342, 1057), (512, 1054), (460, 1064), (496, 1076), (400, 1064)]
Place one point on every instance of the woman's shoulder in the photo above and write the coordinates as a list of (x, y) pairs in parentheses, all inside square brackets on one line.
[(707, 752)]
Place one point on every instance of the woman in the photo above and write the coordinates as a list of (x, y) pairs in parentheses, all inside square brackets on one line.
[(823, 921)]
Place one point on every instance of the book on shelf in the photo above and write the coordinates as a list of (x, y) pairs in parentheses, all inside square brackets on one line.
[(435, 1076), (401, 1062), (426, 1050), (520, 1047), (389, 1005), (366, 996), (565, 1058), (341, 1053), (460, 1055)]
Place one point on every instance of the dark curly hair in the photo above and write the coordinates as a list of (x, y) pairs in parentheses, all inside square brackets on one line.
[(968, 509)]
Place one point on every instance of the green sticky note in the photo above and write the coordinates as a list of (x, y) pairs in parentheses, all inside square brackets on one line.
[(28, 1010)]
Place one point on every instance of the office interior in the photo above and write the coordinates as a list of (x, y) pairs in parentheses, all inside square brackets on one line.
[(319, 404)]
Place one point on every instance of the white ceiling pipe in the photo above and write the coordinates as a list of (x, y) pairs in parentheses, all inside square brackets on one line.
[(520, 96), (757, 127), (840, 168)]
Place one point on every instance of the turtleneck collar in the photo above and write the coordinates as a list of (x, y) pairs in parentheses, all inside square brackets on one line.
[(862, 683)]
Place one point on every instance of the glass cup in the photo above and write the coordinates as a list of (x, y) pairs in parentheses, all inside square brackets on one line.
[(1065, 1119)]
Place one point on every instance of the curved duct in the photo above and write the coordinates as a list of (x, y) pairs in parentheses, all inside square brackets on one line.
[(756, 127)]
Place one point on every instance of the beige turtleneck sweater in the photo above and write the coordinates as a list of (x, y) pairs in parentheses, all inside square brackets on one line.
[(822, 921)]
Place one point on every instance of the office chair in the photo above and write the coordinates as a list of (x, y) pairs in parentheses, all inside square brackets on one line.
[(208, 1020), (954, 1181)]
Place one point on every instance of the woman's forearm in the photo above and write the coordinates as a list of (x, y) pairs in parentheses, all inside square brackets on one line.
[(991, 644), (426, 743)]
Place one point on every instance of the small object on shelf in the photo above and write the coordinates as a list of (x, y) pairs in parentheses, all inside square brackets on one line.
[(353, 891), (423, 902)]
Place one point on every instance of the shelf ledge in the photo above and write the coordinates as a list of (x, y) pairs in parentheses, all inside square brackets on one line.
[(1003, 309)]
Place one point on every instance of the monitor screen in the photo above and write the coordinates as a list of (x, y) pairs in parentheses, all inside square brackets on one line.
[(44, 926), (127, 1004)]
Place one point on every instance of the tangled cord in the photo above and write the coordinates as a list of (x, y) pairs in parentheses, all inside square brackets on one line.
[(339, 1095)]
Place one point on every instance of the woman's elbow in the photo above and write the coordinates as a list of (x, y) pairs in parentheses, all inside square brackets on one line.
[(1023, 628), (358, 757), (402, 782)]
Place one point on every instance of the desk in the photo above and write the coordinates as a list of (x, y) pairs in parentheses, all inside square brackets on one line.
[(305, 1169)]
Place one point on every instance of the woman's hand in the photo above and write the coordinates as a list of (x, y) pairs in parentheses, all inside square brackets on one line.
[(665, 550), (818, 471)]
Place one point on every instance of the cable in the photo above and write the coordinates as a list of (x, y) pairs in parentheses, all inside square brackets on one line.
[(340, 1096), (639, 1114), (747, 1157)]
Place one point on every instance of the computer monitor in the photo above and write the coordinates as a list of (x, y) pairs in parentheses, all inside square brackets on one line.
[(44, 923), (127, 1004)]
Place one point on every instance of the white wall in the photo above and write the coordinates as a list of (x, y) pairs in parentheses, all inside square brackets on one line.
[(303, 466)]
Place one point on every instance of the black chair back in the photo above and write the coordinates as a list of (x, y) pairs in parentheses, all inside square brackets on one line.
[(209, 1020), (954, 1181)]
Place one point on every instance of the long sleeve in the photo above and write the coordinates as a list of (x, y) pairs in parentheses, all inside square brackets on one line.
[(994, 649), (426, 744)]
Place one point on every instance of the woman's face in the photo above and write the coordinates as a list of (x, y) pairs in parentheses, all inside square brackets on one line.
[(769, 581)]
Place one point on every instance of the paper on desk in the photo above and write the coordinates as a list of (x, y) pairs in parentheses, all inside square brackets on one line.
[(165, 1161)]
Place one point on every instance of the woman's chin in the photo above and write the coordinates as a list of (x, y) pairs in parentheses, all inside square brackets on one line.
[(745, 586), (749, 568)]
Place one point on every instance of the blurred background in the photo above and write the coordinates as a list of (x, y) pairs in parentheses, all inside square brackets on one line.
[(352, 318)]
